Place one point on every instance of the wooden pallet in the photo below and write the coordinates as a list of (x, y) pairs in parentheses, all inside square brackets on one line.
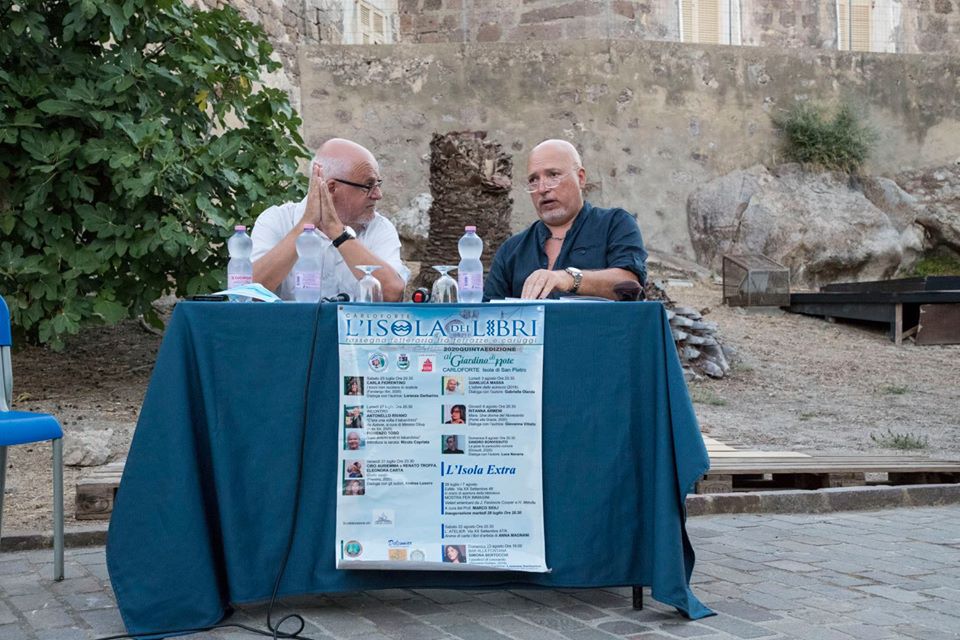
[(96, 493), (733, 469)]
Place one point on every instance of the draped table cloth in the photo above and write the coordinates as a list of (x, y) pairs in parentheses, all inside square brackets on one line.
[(206, 504)]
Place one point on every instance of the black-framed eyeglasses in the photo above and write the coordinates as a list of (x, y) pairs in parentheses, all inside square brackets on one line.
[(367, 188)]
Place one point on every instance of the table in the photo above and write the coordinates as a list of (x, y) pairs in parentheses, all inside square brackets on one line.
[(205, 506)]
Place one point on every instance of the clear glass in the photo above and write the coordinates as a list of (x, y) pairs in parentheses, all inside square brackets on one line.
[(369, 289), (444, 288)]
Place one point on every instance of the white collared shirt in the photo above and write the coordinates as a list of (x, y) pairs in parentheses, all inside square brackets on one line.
[(380, 237)]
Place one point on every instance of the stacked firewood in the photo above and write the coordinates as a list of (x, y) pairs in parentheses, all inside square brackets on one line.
[(697, 340)]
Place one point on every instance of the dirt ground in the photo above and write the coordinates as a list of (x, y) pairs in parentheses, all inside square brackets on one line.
[(797, 384)]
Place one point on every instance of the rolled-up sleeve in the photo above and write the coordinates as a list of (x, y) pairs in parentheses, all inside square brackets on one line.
[(625, 245)]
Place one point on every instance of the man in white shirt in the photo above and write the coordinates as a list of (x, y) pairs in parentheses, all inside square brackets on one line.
[(344, 190)]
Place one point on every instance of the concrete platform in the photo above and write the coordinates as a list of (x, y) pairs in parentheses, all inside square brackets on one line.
[(838, 576)]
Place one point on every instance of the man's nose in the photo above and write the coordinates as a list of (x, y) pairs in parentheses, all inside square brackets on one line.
[(376, 193)]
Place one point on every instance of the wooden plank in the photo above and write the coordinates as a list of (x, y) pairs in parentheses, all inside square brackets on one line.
[(898, 324), (95, 498), (739, 453), (927, 283), (877, 297), (939, 324), (96, 493), (715, 483)]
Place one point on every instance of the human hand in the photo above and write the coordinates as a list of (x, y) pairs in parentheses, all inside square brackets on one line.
[(320, 211), (542, 282)]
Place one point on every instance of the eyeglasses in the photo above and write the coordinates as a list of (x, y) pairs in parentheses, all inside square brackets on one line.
[(549, 182), (367, 188)]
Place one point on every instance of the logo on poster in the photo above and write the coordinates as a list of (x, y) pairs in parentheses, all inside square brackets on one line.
[(401, 328), (378, 361), (353, 548), (426, 363), (383, 518), (403, 361)]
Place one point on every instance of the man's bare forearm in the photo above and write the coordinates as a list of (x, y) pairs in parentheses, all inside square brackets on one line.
[(273, 266), (355, 253), (600, 283)]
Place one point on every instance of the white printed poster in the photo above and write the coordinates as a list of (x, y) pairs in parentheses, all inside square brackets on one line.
[(440, 438)]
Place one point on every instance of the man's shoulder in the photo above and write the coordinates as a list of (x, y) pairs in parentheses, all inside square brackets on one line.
[(608, 214), (380, 223), (282, 213)]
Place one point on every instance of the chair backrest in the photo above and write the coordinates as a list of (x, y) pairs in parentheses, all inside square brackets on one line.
[(6, 367)]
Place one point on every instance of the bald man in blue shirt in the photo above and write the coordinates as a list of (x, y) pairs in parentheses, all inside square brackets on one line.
[(575, 248)]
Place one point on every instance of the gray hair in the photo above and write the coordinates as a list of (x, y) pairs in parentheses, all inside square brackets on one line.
[(333, 167)]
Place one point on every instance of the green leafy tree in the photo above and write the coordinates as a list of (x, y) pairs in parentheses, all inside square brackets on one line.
[(133, 135)]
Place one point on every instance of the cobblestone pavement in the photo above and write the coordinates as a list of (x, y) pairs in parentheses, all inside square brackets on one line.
[(871, 575)]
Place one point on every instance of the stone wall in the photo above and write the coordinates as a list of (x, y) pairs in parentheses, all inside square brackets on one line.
[(900, 26), (426, 21), (652, 120)]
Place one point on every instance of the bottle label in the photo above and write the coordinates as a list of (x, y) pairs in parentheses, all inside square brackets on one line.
[(307, 280), (470, 281), (238, 280)]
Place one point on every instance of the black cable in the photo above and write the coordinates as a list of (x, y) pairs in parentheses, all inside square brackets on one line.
[(274, 632), (296, 501)]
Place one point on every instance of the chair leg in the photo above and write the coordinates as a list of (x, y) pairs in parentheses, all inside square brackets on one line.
[(58, 509), (3, 483)]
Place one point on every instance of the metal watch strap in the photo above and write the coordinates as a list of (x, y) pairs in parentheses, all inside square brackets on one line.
[(577, 279)]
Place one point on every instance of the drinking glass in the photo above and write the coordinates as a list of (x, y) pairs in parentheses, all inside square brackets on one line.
[(445, 287), (369, 289)]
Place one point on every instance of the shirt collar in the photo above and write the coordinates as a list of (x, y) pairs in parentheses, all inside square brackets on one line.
[(543, 231)]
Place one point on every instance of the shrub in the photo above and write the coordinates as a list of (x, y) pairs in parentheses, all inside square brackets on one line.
[(905, 441), (133, 135), (937, 265), (811, 136)]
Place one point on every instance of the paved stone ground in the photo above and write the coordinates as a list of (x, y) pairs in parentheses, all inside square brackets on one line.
[(869, 575)]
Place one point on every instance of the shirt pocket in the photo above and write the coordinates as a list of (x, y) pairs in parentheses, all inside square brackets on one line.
[(591, 256)]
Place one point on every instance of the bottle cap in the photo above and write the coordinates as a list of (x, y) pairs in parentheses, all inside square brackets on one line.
[(240, 227), (470, 228), (309, 227)]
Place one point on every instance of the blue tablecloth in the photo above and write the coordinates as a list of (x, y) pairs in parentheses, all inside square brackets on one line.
[(205, 507)]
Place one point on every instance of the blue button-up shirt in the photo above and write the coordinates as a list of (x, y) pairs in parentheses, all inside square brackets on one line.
[(598, 239)]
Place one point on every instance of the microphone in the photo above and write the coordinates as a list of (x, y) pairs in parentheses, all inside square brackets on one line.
[(340, 297), (627, 291), (421, 295)]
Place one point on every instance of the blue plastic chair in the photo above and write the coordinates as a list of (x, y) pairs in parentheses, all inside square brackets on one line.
[(23, 427)]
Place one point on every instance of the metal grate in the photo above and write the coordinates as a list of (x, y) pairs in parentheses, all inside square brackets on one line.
[(755, 281)]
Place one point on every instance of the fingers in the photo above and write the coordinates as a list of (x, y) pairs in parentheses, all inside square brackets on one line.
[(539, 284)]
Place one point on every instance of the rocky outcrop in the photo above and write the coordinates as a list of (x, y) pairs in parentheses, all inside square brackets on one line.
[(823, 226), (814, 223), (936, 193)]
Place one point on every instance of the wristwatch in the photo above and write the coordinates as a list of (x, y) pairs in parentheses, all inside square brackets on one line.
[(577, 278), (348, 234)]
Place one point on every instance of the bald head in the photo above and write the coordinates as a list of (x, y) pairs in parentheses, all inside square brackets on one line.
[(558, 148), (339, 156), (353, 176), (555, 181)]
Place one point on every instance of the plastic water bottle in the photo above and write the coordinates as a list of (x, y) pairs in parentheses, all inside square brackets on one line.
[(308, 271), (470, 270), (239, 269)]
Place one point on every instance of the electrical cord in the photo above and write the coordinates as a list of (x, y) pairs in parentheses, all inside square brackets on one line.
[(274, 631)]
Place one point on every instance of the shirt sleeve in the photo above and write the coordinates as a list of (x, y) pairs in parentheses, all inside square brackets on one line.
[(267, 232), (625, 245), (496, 285)]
